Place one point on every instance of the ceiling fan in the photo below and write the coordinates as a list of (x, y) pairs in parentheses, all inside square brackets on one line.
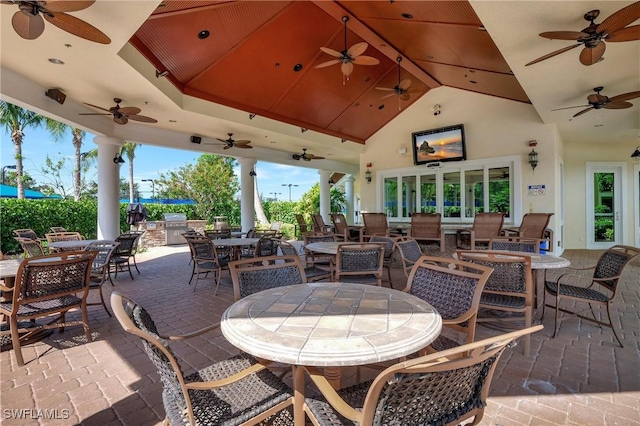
[(402, 89), (121, 115), (230, 143), (348, 57), (28, 22), (306, 157), (598, 101), (613, 29)]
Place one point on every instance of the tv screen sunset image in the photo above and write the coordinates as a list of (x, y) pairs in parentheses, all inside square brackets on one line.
[(440, 146)]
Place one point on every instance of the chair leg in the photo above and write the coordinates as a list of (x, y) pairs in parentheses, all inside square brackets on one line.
[(218, 277), (15, 340), (102, 299), (556, 323), (129, 269), (615, 333), (85, 321), (62, 320), (135, 264), (528, 319)]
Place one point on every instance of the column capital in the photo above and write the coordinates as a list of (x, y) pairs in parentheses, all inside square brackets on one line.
[(324, 174), (349, 178), (246, 161), (108, 140)]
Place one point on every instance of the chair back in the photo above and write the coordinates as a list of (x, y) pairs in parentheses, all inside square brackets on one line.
[(515, 244), (318, 223), (31, 248), (216, 234), (511, 273), (358, 259), (317, 237), (409, 251), (487, 225), (56, 229), (611, 264), (103, 249), (63, 236), (202, 248), (287, 248), (339, 223), (375, 223), (251, 276), (51, 277), (136, 320), (302, 224), (26, 233), (128, 244), (442, 388), (387, 243), (275, 226), (534, 224), (426, 226), (267, 245)]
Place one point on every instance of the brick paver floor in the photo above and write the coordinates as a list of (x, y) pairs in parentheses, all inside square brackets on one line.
[(579, 378)]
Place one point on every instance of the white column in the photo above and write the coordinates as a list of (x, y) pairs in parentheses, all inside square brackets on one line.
[(108, 187), (349, 195), (247, 209), (325, 197)]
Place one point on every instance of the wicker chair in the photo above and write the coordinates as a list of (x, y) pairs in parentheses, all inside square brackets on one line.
[(485, 227), (100, 268), (46, 286), (26, 233), (443, 388), (409, 251), (205, 260), (311, 272), (126, 252), (323, 261), (509, 289), (343, 230), (238, 390), (533, 225), (524, 245), (606, 274), (359, 263), (267, 246), (319, 225), (303, 225), (374, 224), (427, 228), (250, 277), (453, 288), (63, 236), (31, 248), (389, 247), (57, 229)]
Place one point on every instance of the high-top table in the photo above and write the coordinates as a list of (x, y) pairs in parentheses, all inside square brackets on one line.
[(329, 325)]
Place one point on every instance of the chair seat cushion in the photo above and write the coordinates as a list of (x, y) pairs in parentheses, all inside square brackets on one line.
[(208, 265), (52, 305), (235, 403), (324, 412), (575, 291), (502, 301), (312, 272), (359, 279)]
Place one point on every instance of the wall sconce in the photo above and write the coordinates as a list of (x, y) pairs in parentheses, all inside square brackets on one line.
[(533, 155), (253, 173), (162, 73), (367, 174), (118, 158), (636, 154), (331, 183), (252, 116)]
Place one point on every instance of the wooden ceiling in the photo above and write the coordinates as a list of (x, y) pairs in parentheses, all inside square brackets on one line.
[(260, 57)]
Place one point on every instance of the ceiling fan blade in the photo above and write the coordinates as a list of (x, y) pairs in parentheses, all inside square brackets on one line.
[(583, 111), (365, 60), (564, 35), (142, 118), (590, 56), (386, 89), (346, 68), (331, 52), (594, 98), (95, 106), (120, 120), (129, 110), (577, 106), (625, 96), (314, 157), (222, 140), (243, 141), (631, 33), (95, 113), (357, 49), (388, 96), (405, 84), (618, 105), (620, 19), (27, 26), (552, 54), (414, 90), (77, 27), (227, 146), (68, 5), (405, 96), (244, 146), (328, 63), (306, 158)]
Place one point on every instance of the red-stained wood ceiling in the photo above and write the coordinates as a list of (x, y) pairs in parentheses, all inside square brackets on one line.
[(260, 57)]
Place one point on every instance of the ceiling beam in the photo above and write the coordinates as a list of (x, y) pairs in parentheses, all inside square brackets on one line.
[(378, 43)]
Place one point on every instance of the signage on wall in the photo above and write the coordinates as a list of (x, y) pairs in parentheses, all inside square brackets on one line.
[(537, 189)]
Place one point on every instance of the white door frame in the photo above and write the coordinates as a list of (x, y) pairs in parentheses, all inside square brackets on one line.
[(620, 200), (636, 203)]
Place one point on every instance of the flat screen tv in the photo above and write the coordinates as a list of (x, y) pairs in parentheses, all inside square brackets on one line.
[(436, 145)]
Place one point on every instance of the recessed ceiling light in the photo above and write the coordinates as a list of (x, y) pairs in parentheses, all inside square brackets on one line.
[(273, 142), (203, 34), (67, 45), (173, 121), (598, 125), (56, 61), (381, 106), (297, 67), (473, 82), (407, 16)]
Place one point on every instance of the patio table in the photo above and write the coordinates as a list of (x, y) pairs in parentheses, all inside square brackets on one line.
[(71, 244), (331, 247)]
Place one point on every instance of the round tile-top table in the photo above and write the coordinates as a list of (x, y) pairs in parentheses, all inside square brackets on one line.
[(71, 244), (330, 324), (331, 247)]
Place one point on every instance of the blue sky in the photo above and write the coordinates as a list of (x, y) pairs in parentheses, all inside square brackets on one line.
[(149, 163)]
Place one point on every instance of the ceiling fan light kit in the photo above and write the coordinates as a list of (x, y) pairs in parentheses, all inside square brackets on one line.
[(306, 157), (598, 101)]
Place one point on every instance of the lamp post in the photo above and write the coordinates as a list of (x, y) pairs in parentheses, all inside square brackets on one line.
[(275, 195), (289, 185), (153, 187), (12, 167)]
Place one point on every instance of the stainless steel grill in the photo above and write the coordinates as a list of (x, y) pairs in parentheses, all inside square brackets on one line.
[(174, 226)]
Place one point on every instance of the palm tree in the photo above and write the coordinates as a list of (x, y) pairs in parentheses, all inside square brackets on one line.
[(129, 148), (58, 130), (15, 120)]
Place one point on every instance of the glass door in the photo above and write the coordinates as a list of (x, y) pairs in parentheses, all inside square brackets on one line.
[(604, 207)]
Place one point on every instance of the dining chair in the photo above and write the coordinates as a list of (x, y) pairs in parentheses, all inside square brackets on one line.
[(320, 260), (409, 251), (599, 289), (485, 227), (250, 277), (31, 248), (454, 288), (427, 228), (205, 260), (443, 388), (342, 228), (238, 390), (218, 236), (509, 289), (104, 250), (267, 245), (533, 225), (303, 225), (26, 233), (63, 236), (359, 263), (374, 224), (319, 225), (311, 272), (389, 247), (126, 252), (47, 286), (56, 229), (524, 245)]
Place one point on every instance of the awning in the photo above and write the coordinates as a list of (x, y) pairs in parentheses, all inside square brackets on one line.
[(7, 191)]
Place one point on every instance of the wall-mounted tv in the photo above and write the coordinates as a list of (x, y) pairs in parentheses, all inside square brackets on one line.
[(435, 145)]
